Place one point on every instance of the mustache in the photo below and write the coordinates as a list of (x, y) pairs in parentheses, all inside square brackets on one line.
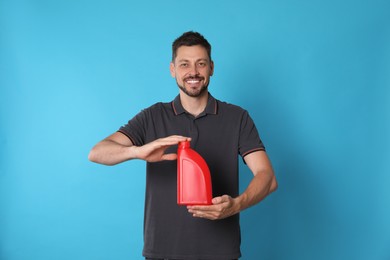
[(194, 78)]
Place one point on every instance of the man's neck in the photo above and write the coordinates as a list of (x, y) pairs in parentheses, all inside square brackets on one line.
[(194, 105)]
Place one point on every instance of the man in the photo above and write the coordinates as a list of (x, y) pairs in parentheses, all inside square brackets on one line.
[(219, 132)]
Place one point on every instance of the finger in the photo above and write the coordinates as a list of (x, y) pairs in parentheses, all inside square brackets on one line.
[(176, 138), (204, 209), (180, 137), (197, 207), (204, 216), (169, 157), (198, 214), (164, 143), (167, 142)]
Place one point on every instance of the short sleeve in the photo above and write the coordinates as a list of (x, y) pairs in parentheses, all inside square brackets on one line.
[(249, 139), (135, 129)]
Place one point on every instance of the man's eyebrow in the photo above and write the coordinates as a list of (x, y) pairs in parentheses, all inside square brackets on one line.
[(185, 60)]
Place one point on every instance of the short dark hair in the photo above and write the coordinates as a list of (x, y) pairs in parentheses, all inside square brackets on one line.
[(190, 39)]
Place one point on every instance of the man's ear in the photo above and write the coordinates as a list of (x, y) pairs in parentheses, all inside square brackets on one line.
[(172, 69), (212, 68)]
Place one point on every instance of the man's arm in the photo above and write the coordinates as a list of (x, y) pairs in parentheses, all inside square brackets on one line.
[(262, 184), (118, 148)]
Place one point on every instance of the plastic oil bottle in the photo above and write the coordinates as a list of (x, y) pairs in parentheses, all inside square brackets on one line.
[(193, 177)]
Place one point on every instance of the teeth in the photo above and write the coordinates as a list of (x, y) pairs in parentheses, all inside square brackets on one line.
[(193, 81)]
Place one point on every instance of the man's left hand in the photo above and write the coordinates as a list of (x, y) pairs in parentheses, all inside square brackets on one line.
[(223, 207)]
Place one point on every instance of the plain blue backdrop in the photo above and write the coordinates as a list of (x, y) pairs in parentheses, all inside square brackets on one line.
[(314, 75)]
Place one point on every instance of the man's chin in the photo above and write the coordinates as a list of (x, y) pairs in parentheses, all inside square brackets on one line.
[(194, 93)]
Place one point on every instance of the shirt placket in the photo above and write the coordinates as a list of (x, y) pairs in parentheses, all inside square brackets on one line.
[(193, 130)]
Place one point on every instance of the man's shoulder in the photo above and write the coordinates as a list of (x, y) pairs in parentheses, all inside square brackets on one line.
[(224, 106), (159, 106)]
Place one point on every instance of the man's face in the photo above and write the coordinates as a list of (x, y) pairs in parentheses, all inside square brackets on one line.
[(192, 69)]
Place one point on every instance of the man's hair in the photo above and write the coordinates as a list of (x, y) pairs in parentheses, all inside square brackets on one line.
[(190, 39)]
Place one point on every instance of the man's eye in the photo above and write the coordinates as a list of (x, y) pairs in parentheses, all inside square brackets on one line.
[(202, 64), (184, 65)]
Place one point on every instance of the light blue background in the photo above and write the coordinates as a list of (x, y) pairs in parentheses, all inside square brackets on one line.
[(314, 75)]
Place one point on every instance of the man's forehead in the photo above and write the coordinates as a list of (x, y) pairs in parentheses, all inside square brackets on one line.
[(191, 52)]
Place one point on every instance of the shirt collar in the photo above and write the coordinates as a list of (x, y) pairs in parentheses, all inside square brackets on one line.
[(211, 107)]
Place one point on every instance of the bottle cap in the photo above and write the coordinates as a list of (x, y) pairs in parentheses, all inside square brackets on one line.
[(185, 144)]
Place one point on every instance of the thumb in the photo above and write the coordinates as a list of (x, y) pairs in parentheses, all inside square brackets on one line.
[(216, 200), (169, 156), (221, 199)]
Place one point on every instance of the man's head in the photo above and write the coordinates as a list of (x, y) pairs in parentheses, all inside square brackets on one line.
[(191, 63), (190, 39)]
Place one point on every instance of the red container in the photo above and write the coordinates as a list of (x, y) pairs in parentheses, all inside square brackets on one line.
[(193, 177)]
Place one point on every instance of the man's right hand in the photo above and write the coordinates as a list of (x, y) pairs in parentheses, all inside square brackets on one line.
[(118, 148), (155, 151)]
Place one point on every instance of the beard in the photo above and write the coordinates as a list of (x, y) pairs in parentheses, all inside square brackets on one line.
[(192, 93)]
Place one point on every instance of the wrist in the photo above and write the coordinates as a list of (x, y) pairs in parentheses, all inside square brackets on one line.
[(240, 203), (132, 152)]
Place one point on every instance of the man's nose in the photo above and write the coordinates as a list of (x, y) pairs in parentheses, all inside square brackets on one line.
[(194, 70)]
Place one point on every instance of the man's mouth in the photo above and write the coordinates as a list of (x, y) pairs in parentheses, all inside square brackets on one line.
[(193, 80)]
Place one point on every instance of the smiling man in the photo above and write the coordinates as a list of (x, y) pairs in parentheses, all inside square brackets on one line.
[(220, 132), (192, 69)]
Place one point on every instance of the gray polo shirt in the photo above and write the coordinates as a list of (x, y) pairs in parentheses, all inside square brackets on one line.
[(219, 134)]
